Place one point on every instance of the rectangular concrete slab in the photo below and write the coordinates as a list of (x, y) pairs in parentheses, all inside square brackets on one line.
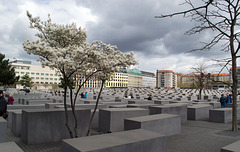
[(174, 108), (3, 130), (138, 140), (48, 125), (10, 147), (234, 147), (112, 119), (166, 124), (198, 112)]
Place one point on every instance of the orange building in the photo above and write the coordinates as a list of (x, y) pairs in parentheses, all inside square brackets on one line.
[(166, 79)]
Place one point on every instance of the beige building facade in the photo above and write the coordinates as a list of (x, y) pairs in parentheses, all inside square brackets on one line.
[(43, 78)]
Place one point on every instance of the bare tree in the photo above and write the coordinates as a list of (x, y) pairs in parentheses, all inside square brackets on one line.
[(201, 77), (221, 17)]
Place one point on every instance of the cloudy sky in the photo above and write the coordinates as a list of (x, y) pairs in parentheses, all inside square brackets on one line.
[(158, 44)]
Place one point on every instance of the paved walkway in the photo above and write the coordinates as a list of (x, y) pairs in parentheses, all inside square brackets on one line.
[(196, 136), (202, 136)]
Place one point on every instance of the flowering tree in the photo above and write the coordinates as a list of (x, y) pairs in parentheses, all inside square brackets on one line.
[(64, 48), (109, 59)]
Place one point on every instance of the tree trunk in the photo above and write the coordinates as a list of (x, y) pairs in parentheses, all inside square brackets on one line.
[(66, 112), (95, 109), (74, 114), (234, 94)]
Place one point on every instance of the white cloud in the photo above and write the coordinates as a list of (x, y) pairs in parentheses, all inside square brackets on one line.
[(14, 27)]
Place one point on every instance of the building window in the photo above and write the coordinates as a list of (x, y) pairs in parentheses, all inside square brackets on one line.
[(22, 72), (37, 73), (42, 73), (32, 73)]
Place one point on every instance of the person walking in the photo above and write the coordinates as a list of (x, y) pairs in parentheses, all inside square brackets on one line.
[(228, 99), (3, 105), (10, 99), (85, 95), (222, 101)]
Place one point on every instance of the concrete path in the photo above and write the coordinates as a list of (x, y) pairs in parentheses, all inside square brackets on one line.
[(196, 136)]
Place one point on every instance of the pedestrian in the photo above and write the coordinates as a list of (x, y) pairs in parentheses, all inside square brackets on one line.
[(222, 101), (150, 97), (82, 95), (85, 95), (3, 105), (228, 99), (10, 99)]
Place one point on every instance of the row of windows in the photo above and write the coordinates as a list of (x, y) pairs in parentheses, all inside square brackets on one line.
[(116, 85), (45, 78), (46, 82), (32, 73), (21, 67)]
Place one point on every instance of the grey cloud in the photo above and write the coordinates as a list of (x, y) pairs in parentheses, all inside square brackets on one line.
[(132, 27)]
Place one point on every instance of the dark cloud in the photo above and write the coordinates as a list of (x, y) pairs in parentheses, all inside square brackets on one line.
[(132, 27), (129, 24)]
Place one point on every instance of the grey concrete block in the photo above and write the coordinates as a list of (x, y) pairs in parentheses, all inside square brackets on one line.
[(48, 125), (17, 107), (112, 119), (161, 101), (10, 147), (234, 147), (17, 123), (198, 112), (95, 119), (3, 130), (138, 140), (86, 106), (108, 104), (9, 119), (144, 106), (221, 115), (174, 108), (166, 124), (118, 106), (52, 105)]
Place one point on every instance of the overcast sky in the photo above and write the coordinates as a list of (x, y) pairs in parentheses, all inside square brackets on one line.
[(158, 44)]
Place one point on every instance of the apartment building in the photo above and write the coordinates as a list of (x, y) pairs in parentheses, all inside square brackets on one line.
[(148, 80), (42, 77), (166, 79)]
